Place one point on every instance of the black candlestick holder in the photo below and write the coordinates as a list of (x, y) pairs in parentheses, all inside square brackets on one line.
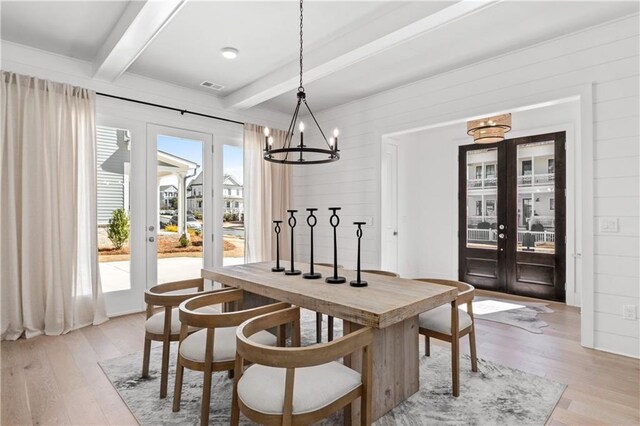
[(334, 220), (277, 268), (358, 282), (292, 224), (312, 221)]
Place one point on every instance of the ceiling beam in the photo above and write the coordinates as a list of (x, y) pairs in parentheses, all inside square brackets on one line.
[(140, 23), (325, 62)]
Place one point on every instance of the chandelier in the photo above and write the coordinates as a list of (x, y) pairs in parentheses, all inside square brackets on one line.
[(490, 129), (301, 153)]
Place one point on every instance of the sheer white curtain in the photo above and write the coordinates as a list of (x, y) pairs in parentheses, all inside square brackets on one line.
[(48, 258), (267, 196)]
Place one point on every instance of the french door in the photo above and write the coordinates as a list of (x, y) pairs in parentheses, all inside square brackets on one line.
[(512, 223), (155, 220)]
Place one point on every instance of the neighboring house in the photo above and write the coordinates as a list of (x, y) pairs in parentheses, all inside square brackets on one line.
[(194, 194), (233, 194), (167, 193)]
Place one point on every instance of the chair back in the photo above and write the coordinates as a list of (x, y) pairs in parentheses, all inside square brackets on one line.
[(380, 272), (466, 292)]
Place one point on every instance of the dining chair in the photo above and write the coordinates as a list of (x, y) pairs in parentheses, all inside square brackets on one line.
[(450, 325), (164, 325), (294, 385), (213, 347), (380, 272), (329, 317)]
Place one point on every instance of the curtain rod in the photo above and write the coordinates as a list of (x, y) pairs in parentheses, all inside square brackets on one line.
[(181, 111)]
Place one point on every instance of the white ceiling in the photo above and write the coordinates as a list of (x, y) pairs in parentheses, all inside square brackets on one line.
[(352, 49)]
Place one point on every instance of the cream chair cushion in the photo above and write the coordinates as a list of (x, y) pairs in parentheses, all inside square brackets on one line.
[(224, 344), (261, 388), (155, 324), (439, 319)]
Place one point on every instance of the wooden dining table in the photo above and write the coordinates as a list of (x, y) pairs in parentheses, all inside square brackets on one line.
[(389, 305)]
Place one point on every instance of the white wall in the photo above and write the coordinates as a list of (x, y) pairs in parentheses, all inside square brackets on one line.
[(605, 56)]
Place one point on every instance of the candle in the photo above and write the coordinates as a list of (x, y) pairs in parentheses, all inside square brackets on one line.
[(266, 138), (336, 132)]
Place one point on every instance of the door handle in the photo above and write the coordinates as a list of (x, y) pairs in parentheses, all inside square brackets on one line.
[(151, 239), (395, 233), (501, 236)]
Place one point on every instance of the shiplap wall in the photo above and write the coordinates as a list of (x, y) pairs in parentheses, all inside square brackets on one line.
[(606, 55)]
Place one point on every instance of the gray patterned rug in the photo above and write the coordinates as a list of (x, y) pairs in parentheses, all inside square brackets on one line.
[(524, 317), (495, 395)]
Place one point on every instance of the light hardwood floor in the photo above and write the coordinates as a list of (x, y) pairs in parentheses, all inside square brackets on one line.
[(56, 380)]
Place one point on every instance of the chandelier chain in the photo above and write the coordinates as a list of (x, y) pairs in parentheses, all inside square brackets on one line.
[(300, 88)]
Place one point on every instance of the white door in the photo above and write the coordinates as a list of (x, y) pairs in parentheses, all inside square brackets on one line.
[(179, 199), (389, 201)]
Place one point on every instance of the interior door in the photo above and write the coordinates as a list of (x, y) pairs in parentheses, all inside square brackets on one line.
[(481, 214), (389, 197), (179, 198), (512, 216)]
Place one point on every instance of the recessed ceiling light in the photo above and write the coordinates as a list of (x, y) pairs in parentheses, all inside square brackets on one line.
[(230, 52)]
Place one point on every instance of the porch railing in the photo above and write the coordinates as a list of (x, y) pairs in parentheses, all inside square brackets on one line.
[(492, 235)]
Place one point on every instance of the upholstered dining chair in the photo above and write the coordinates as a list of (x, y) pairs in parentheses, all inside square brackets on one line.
[(294, 385), (451, 324), (164, 326), (213, 347)]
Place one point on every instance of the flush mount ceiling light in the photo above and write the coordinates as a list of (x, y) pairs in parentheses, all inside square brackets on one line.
[(301, 153), (490, 129), (230, 52)]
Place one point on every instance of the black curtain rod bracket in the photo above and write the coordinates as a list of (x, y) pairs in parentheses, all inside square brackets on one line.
[(181, 111)]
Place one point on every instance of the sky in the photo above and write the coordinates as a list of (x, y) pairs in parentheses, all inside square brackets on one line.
[(192, 150)]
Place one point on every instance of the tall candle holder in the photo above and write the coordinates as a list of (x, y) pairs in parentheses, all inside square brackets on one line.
[(358, 282), (292, 224), (277, 268), (334, 220), (312, 221)]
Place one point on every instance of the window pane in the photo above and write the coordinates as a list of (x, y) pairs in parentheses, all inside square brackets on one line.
[(536, 199), (482, 203), (113, 171), (233, 218)]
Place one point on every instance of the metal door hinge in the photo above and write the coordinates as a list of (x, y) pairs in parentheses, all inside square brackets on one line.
[(213, 149)]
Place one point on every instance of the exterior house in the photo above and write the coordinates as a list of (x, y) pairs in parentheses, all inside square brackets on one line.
[(233, 195), (167, 193)]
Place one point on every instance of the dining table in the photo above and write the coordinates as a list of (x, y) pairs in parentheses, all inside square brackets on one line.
[(389, 305)]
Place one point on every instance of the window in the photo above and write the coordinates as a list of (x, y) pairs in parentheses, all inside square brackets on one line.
[(228, 204), (551, 166), (478, 208), (490, 171), (526, 167), (552, 204), (237, 204), (478, 172), (491, 208)]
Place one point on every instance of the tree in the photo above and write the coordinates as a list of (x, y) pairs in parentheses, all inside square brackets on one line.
[(118, 230), (173, 202)]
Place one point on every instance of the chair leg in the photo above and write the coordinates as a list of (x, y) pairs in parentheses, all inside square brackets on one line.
[(235, 408), (206, 396), (145, 358), (472, 345), (330, 327), (318, 327), (455, 366), (164, 374), (427, 346), (177, 390)]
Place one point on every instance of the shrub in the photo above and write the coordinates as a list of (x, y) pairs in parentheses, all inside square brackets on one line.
[(194, 232), (227, 216), (184, 240), (171, 228), (118, 229), (197, 214)]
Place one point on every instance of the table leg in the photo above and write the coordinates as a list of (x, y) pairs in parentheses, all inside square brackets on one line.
[(395, 366)]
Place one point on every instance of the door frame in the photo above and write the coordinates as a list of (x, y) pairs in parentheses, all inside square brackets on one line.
[(151, 215), (388, 220)]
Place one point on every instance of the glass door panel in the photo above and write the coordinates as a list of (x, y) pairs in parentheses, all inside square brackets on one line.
[(180, 180), (535, 219), (233, 206), (482, 199)]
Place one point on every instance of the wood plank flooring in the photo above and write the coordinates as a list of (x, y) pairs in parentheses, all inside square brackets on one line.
[(56, 380)]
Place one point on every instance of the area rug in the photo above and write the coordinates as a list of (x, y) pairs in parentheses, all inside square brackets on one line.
[(494, 395), (515, 313)]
